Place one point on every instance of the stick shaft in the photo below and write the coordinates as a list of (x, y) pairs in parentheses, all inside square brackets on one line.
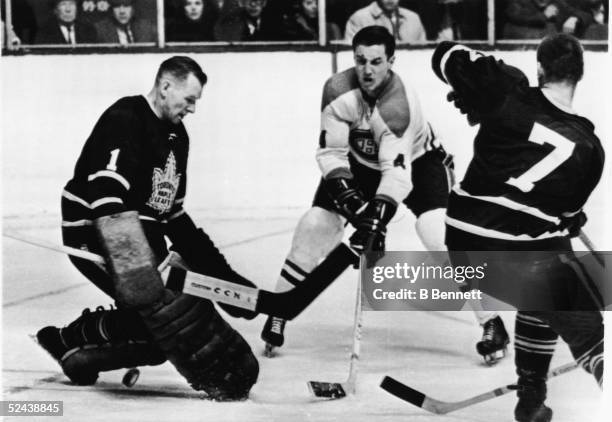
[(78, 253), (590, 246)]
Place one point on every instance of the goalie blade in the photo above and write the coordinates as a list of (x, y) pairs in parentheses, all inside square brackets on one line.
[(328, 390)]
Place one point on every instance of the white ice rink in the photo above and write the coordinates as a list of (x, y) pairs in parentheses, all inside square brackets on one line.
[(252, 174)]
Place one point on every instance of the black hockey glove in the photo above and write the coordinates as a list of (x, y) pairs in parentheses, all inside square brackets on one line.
[(371, 225), (472, 116), (347, 198), (574, 223)]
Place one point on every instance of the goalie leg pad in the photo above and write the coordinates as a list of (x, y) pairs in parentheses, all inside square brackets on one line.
[(129, 258), (83, 364), (203, 347), (103, 340)]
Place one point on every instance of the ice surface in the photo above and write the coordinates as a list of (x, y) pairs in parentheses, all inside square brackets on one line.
[(252, 173)]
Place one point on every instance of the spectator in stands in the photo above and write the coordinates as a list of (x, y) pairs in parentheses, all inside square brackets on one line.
[(532, 19), (23, 21), (302, 23), (64, 27), (195, 24), (8, 37), (122, 27), (248, 23), (587, 19), (404, 24), (599, 29), (94, 11)]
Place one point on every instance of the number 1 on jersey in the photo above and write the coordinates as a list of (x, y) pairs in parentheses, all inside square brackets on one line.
[(112, 163), (563, 149)]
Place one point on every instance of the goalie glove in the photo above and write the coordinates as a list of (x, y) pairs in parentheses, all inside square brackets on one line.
[(347, 198), (371, 225)]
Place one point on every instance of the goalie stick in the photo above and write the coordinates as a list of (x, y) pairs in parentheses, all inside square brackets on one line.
[(286, 305), (418, 399), (338, 390)]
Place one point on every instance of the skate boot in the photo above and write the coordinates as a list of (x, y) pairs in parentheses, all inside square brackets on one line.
[(84, 348), (273, 334), (494, 341), (531, 392)]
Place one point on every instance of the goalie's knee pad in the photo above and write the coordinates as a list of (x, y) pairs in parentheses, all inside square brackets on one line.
[(203, 347)]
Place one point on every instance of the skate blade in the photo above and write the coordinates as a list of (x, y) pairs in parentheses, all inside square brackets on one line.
[(493, 358), (270, 351), (328, 390)]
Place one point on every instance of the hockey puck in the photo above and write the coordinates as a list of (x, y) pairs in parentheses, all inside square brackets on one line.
[(130, 377)]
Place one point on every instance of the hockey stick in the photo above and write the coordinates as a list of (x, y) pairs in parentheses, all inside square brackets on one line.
[(338, 390), (418, 399), (591, 247), (286, 305), (173, 259)]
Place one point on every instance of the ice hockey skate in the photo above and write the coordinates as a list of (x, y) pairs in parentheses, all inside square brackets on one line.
[(273, 334), (495, 340), (531, 392)]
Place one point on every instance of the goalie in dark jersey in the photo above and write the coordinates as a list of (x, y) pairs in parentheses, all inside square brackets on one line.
[(535, 164), (125, 198)]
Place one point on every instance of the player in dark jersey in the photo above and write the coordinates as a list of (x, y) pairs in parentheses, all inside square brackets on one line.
[(134, 163), (535, 164), (376, 151)]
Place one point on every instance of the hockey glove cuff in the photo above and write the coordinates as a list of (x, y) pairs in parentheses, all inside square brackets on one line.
[(347, 198), (574, 223), (369, 238)]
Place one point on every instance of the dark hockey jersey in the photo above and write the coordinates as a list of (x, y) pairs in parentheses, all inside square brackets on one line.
[(533, 162), (131, 161)]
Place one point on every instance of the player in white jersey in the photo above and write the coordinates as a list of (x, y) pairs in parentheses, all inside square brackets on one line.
[(376, 151)]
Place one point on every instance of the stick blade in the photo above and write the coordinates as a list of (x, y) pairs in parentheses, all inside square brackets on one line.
[(402, 391), (328, 390)]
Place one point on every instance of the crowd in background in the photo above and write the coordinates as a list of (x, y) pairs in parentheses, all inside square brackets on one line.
[(126, 22)]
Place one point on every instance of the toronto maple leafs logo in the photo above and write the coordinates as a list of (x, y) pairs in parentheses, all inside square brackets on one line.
[(165, 186)]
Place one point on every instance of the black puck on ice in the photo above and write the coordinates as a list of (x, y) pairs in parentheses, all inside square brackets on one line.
[(130, 377)]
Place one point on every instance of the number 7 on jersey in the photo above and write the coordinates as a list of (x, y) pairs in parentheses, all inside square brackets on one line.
[(563, 149)]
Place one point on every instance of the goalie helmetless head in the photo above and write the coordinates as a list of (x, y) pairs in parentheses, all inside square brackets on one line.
[(373, 52), (178, 85)]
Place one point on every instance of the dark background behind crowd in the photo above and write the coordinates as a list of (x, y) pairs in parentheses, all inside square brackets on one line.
[(126, 22)]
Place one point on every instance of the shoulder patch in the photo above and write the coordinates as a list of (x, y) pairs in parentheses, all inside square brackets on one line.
[(339, 84), (393, 107)]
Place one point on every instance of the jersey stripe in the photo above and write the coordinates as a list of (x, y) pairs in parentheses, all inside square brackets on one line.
[(74, 198), (447, 55), (508, 203), (176, 214), (107, 200), (78, 223), (146, 217), (481, 231), (112, 175)]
